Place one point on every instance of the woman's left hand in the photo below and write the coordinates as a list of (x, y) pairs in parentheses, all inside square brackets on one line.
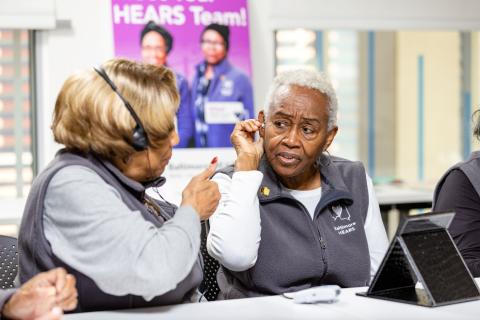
[(249, 151), (43, 297)]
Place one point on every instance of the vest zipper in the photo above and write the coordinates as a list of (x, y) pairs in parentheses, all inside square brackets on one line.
[(322, 242)]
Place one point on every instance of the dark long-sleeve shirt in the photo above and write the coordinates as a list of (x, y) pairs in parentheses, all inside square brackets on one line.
[(457, 194)]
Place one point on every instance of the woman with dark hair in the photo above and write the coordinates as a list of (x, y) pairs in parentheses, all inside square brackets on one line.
[(218, 88), (459, 190), (156, 43)]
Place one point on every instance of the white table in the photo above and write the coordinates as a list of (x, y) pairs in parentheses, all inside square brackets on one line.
[(349, 306)]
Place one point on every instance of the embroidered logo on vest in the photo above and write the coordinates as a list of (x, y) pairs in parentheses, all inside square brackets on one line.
[(340, 213)]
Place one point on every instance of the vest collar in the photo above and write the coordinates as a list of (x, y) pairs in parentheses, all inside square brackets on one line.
[(137, 188), (333, 186)]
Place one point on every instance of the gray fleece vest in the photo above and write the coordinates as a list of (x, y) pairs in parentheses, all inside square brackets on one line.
[(470, 167), (297, 252), (36, 255)]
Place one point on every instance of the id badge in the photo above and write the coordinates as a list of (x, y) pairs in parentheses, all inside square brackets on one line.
[(224, 112)]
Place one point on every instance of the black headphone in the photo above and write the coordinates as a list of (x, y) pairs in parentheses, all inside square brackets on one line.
[(139, 135)]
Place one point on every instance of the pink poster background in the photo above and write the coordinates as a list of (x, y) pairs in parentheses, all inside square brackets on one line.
[(185, 20)]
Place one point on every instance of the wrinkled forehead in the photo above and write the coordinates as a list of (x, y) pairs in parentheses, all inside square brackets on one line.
[(299, 101)]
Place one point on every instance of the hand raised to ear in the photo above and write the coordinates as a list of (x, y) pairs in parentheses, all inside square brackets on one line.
[(249, 152)]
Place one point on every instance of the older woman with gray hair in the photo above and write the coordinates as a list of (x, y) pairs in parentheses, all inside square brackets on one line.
[(291, 216)]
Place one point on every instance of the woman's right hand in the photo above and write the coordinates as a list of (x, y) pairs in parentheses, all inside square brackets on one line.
[(201, 193), (249, 152)]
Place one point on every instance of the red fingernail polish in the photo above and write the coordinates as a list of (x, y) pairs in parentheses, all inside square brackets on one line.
[(214, 160)]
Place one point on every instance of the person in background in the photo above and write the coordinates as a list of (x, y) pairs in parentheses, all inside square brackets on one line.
[(87, 210), (291, 216), (156, 43), (44, 297), (218, 89), (459, 190)]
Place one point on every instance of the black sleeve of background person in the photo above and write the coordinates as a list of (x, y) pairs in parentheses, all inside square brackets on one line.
[(458, 194)]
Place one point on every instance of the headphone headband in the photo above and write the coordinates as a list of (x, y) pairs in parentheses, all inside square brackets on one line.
[(139, 135)]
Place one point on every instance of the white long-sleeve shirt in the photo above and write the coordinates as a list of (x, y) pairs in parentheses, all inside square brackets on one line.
[(235, 226)]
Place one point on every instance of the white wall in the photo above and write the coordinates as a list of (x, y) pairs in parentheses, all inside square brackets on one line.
[(441, 103), (375, 14), (83, 38), (262, 45), (27, 14)]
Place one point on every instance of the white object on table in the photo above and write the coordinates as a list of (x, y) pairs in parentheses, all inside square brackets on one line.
[(326, 294)]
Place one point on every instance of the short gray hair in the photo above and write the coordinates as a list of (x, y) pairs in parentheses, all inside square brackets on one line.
[(303, 78)]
